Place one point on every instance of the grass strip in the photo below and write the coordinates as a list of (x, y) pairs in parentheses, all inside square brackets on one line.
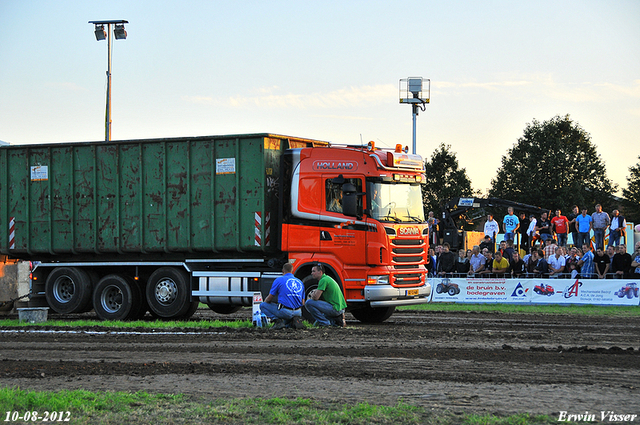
[(151, 324), (106, 408)]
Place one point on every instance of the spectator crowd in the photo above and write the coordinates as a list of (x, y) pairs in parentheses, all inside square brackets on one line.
[(546, 244)]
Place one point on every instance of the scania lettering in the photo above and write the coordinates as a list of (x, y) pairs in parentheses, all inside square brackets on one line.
[(128, 226)]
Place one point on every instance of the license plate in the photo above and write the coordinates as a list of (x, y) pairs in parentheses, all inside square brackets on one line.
[(411, 292)]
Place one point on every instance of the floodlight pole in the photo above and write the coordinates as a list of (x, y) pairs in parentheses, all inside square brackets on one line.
[(412, 92), (415, 116), (107, 120)]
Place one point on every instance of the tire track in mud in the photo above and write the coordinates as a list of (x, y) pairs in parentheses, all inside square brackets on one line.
[(441, 360)]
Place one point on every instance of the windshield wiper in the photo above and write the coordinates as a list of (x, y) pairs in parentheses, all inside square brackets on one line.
[(410, 217), (417, 219), (389, 218)]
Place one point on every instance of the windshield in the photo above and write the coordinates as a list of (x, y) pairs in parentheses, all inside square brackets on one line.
[(400, 202)]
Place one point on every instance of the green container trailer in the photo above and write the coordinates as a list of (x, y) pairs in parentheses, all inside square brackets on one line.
[(127, 226), (163, 198)]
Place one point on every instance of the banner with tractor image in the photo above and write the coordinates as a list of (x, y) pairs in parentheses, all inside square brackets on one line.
[(537, 291)]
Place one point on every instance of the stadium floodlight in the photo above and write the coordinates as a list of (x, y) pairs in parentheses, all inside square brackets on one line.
[(412, 91), (120, 34), (101, 34)]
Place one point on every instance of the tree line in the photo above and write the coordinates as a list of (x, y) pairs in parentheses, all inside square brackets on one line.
[(554, 164)]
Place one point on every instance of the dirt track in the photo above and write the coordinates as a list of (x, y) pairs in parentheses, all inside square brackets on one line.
[(466, 362)]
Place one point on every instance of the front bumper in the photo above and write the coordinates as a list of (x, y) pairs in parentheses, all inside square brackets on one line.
[(387, 295)]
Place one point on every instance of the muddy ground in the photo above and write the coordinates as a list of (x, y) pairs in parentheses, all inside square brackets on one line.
[(464, 362)]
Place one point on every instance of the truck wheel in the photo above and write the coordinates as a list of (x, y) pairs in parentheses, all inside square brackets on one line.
[(68, 290), (310, 283), (141, 308), (439, 288), (169, 293), (370, 314), (94, 278), (193, 307), (452, 291), (224, 308), (116, 298)]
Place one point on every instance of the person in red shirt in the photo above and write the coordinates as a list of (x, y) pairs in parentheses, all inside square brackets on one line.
[(560, 226)]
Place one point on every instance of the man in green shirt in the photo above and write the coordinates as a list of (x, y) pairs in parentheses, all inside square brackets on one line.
[(326, 304)]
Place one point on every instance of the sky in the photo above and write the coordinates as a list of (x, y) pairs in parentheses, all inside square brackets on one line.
[(327, 70)]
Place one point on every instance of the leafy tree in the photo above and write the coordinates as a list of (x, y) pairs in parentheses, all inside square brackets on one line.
[(445, 180), (554, 165), (631, 201)]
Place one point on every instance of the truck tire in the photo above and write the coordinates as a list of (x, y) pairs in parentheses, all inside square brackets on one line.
[(370, 314), (94, 278), (310, 283), (224, 308), (68, 290), (116, 298), (141, 308), (169, 293)]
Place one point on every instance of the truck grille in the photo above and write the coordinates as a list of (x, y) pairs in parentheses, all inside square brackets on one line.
[(408, 251), (408, 260), (408, 279)]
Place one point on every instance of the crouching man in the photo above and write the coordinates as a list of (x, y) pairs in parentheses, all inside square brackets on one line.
[(326, 304), (287, 311)]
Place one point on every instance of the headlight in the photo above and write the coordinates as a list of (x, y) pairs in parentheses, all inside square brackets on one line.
[(378, 280)]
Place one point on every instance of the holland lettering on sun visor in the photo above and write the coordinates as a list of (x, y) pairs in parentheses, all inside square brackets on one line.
[(335, 165)]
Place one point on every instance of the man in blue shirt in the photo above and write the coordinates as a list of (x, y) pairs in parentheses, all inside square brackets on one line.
[(511, 224), (584, 225), (586, 263), (289, 292)]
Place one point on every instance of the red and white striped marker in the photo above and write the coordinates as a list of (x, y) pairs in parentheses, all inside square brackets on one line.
[(267, 230), (258, 229), (12, 233)]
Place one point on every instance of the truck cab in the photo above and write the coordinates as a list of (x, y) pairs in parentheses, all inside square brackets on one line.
[(359, 211)]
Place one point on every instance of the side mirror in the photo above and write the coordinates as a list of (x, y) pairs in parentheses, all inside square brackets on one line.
[(350, 200)]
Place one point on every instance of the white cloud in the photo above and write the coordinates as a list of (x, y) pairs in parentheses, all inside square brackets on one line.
[(206, 100), (345, 117), (273, 98), (535, 86)]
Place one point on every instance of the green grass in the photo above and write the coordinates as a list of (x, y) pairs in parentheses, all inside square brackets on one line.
[(107, 408), (150, 324), (578, 310), (584, 310)]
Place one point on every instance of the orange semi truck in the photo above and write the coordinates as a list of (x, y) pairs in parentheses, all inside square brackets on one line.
[(159, 225)]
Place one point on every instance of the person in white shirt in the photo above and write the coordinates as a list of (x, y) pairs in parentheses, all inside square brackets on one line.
[(531, 231), (556, 263), (617, 228), (477, 261), (491, 228)]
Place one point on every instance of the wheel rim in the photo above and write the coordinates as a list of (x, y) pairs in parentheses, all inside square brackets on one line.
[(166, 291), (63, 289), (111, 299)]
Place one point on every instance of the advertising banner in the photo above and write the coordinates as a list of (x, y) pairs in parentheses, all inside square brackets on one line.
[(585, 291), (498, 290), (540, 291)]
